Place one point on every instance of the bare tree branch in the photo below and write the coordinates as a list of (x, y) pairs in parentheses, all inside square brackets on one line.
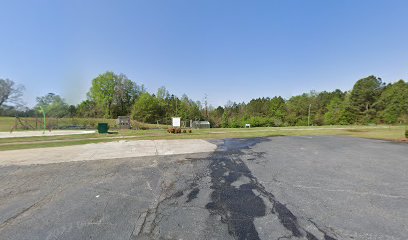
[(10, 92)]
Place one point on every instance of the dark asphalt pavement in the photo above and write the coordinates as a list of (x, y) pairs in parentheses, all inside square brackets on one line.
[(265, 188)]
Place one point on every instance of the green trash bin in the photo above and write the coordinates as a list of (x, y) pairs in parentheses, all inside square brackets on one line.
[(103, 128)]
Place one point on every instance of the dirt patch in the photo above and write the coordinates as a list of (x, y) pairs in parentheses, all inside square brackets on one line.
[(356, 130)]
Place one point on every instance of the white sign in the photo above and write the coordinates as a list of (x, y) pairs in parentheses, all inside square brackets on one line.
[(176, 122)]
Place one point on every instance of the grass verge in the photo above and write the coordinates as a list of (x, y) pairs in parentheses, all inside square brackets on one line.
[(393, 133)]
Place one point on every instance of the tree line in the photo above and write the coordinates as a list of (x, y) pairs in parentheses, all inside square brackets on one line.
[(370, 101)]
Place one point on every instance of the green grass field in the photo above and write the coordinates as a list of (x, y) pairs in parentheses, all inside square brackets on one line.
[(6, 123), (394, 133), (9, 123)]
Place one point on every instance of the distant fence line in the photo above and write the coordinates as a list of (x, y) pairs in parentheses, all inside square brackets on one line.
[(32, 123)]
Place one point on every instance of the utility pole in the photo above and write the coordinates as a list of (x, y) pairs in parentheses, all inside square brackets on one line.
[(43, 112), (206, 105), (308, 117), (176, 107)]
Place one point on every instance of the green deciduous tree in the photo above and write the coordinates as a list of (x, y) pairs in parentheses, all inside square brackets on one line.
[(190, 110), (335, 111), (147, 109), (258, 107), (126, 93), (114, 94), (72, 110), (215, 116), (321, 103), (298, 109), (370, 101), (53, 104), (88, 109), (277, 110), (102, 92)]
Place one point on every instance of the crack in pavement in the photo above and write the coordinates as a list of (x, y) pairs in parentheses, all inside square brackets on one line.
[(239, 206), (351, 192), (325, 235), (168, 192), (38, 204), (237, 197), (347, 191)]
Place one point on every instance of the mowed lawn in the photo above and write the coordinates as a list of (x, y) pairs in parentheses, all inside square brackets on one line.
[(395, 133), (6, 124)]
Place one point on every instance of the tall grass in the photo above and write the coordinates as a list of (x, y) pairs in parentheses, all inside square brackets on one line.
[(10, 123)]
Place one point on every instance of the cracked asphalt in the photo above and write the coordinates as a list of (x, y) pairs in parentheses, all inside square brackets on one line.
[(266, 188)]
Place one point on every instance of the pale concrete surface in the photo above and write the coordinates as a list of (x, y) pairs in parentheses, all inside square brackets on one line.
[(98, 151), (41, 133)]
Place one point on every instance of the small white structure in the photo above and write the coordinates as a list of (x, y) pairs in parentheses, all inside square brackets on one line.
[(247, 125), (176, 122), (201, 124)]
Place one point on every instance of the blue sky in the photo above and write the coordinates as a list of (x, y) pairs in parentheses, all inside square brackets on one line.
[(230, 50)]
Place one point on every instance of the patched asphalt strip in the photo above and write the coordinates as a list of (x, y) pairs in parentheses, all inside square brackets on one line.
[(239, 206)]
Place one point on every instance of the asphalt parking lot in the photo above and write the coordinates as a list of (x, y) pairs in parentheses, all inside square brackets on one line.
[(265, 188)]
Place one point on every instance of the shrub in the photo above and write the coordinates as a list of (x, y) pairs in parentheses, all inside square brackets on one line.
[(406, 133), (74, 122), (190, 131), (92, 123), (174, 130), (184, 131)]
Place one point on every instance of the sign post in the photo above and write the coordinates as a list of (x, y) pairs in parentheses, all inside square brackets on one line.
[(176, 122)]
